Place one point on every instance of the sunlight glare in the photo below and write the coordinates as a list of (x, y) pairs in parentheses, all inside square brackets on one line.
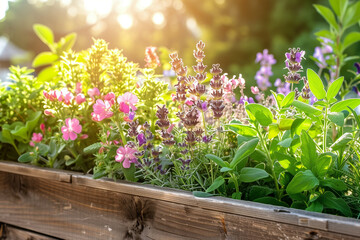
[(158, 18), (3, 8), (143, 4), (101, 8), (125, 21)]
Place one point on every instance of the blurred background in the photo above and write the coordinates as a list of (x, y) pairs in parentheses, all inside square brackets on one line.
[(233, 30)]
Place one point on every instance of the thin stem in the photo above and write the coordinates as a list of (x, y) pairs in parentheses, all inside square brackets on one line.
[(121, 133), (269, 161), (235, 182), (325, 130)]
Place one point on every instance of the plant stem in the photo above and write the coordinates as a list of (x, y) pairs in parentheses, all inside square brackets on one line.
[(235, 182), (269, 162), (325, 130), (121, 133)]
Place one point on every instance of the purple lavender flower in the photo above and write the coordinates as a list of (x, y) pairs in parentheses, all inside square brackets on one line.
[(251, 100), (142, 139), (131, 115), (293, 64), (207, 139), (357, 65), (321, 53), (262, 76), (283, 88)]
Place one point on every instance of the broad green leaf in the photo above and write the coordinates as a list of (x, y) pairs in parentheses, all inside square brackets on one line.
[(302, 181), (306, 108), (285, 124), (236, 195), (20, 133), (324, 33), (322, 165), (259, 191), (93, 148), (337, 118), (44, 33), (342, 141), (343, 105), (273, 131), (99, 174), (350, 39), (339, 7), (315, 84), (216, 160), (26, 157), (272, 201), (33, 122), (308, 150), (329, 200), (352, 15), (43, 148), (6, 137), (327, 14), (202, 194), (315, 207), (243, 152), (242, 129), (226, 169), (47, 74), (287, 162), (129, 173), (288, 100), (333, 183), (44, 58), (285, 143), (334, 88), (262, 114), (249, 174), (216, 184), (66, 43)]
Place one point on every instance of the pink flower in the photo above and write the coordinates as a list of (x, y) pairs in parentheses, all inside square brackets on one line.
[(78, 88), (127, 101), (255, 90), (42, 128), (151, 58), (71, 129), (110, 97), (66, 96), (49, 112), (93, 92), (80, 98), (84, 136), (102, 110), (126, 156), (37, 137)]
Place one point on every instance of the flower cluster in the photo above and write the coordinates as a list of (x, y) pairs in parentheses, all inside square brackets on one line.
[(293, 64), (262, 76), (151, 58)]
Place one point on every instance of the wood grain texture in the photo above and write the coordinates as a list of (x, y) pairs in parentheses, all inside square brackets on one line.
[(99, 209), (13, 233)]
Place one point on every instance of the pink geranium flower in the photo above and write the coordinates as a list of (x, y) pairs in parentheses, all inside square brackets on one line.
[(71, 129), (126, 156), (102, 110), (80, 98), (110, 97), (78, 88), (37, 137), (93, 92), (127, 101)]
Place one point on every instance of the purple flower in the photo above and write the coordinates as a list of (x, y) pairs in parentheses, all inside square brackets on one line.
[(141, 138), (251, 100), (131, 115), (283, 88), (357, 65), (262, 76), (204, 106), (207, 139)]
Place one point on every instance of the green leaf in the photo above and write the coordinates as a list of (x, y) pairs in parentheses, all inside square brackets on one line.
[(315, 84), (306, 108), (302, 181), (236, 195), (287, 162), (288, 100), (43, 149), (273, 131), (322, 165), (243, 152), (337, 118), (248, 174), (241, 129), (339, 7), (259, 191), (308, 150), (216, 160), (343, 105), (334, 88), (44, 58), (285, 124), (329, 200), (352, 15), (202, 194), (129, 173), (315, 207), (333, 183), (324, 34), (262, 114), (350, 39), (342, 141), (226, 169), (44, 33), (93, 148), (47, 74), (216, 184), (99, 174), (285, 143), (20, 133), (327, 14), (33, 122), (356, 117), (67, 42), (26, 157), (272, 201)]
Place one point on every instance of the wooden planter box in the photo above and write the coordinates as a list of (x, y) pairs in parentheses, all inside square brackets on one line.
[(69, 205)]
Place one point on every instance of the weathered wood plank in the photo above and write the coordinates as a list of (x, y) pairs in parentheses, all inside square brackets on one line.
[(84, 211), (90, 207), (13, 233)]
